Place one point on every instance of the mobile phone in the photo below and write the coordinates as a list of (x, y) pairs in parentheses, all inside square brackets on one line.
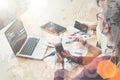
[(59, 47), (82, 27)]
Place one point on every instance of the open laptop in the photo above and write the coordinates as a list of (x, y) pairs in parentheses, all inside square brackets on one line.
[(22, 44)]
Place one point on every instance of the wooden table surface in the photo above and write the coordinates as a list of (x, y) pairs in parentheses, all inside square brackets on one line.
[(63, 12)]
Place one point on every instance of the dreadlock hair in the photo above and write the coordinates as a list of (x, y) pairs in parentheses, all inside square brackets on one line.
[(112, 17)]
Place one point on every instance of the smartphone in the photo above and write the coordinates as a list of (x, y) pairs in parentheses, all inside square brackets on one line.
[(59, 47), (81, 27)]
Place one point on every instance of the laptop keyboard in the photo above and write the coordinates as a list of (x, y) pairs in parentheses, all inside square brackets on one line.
[(29, 46)]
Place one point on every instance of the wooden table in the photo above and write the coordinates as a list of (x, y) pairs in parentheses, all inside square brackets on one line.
[(28, 69)]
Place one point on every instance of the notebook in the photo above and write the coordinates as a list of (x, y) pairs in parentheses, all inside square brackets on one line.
[(53, 28), (22, 44)]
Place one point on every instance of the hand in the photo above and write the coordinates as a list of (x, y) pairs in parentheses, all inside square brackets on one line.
[(66, 54), (76, 39), (91, 25), (59, 58)]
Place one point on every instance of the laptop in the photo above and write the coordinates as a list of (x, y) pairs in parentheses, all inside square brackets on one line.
[(22, 44)]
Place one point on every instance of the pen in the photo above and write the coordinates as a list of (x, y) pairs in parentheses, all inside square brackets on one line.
[(75, 33), (51, 54)]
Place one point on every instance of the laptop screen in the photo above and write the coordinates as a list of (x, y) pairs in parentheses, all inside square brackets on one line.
[(16, 35)]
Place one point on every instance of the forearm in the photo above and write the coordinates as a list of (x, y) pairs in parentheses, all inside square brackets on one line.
[(92, 49), (75, 59), (81, 59)]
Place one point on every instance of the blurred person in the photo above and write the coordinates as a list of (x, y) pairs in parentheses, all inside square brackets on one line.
[(109, 26)]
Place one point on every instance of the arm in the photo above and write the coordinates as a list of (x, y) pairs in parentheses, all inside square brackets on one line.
[(79, 60), (92, 49)]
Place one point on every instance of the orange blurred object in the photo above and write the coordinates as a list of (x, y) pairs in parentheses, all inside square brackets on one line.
[(106, 69), (117, 75)]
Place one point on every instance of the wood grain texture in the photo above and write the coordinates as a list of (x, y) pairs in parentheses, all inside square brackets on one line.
[(62, 12)]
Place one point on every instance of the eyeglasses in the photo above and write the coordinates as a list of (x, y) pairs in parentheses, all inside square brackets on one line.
[(100, 18)]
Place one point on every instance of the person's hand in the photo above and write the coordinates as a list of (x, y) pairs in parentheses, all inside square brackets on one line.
[(76, 39), (59, 58), (91, 25), (66, 54), (62, 55)]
